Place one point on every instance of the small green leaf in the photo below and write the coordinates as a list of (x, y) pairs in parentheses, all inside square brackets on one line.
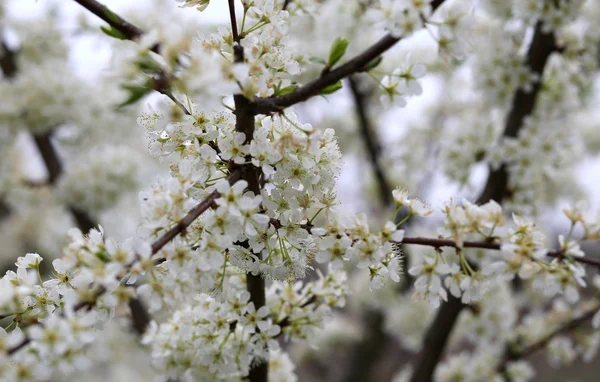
[(332, 88), (337, 51), (374, 63), (287, 90), (105, 257), (136, 92), (112, 32), (317, 60), (147, 64), (111, 15)]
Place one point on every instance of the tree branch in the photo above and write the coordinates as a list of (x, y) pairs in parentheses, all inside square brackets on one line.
[(313, 88), (244, 123), (542, 46), (8, 60), (130, 31), (437, 335), (156, 246), (192, 215), (369, 137), (511, 355), (438, 243), (8, 64), (234, 28)]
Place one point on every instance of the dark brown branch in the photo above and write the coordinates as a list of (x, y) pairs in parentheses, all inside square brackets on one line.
[(156, 246), (542, 46), (192, 215), (8, 64), (254, 283), (232, 18), (313, 88), (50, 156), (8, 61), (130, 31), (437, 335), (438, 243), (85, 223), (367, 351), (244, 123), (511, 355), (369, 137), (286, 3)]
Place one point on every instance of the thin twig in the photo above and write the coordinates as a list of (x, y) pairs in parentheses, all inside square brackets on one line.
[(438, 243), (156, 246), (370, 140), (234, 28)]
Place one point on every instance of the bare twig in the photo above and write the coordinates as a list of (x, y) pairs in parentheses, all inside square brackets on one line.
[(370, 140), (232, 18)]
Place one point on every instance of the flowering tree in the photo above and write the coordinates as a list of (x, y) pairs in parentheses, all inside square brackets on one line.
[(242, 252)]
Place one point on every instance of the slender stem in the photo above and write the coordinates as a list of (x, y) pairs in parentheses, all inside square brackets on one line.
[(156, 246), (234, 28), (370, 140), (192, 215)]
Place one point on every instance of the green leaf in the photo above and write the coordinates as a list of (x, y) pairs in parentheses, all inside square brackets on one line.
[(337, 50), (317, 60), (136, 92), (374, 63), (105, 257), (147, 64), (111, 15), (332, 88), (287, 90), (112, 32)]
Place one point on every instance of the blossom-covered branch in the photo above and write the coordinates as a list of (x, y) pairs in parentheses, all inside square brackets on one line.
[(542, 45), (355, 65), (439, 243)]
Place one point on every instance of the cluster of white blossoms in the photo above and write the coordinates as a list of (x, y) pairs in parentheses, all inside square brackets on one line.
[(523, 251), (219, 339), (100, 178), (245, 243)]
